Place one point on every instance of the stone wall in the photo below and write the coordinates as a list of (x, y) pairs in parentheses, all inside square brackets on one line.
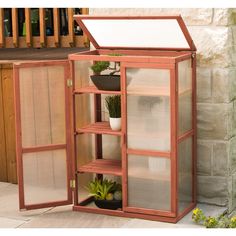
[(214, 34)]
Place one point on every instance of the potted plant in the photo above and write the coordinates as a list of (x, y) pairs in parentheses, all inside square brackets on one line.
[(107, 193), (106, 81), (113, 105)]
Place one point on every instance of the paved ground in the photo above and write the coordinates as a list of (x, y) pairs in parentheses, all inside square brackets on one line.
[(57, 217)]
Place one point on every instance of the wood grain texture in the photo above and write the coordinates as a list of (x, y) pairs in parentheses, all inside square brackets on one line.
[(9, 120), (1, 28), (3, 159), (71, 26), (28, 27), (56, 26), (15, 27), (42, 27)]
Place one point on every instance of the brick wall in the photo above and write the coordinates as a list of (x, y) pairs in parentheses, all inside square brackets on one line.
[(214, 33)]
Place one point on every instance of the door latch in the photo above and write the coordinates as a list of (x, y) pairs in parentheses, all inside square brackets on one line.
[(69, 83), (72, 183)]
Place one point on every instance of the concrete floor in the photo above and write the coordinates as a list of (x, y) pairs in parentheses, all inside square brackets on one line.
[(64, 217)]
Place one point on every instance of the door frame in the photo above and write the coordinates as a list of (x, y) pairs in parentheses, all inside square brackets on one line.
[(20, 150), (171, 155)]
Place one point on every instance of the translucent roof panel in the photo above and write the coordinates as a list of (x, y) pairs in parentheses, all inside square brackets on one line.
[(167, 33)]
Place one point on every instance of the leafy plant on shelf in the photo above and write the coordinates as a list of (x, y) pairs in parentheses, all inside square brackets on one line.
[(221, 221), (105, 189), (99, 66), (113, 105)]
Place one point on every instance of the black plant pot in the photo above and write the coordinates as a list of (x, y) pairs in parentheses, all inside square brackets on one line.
[(106, 82), (108, 204)]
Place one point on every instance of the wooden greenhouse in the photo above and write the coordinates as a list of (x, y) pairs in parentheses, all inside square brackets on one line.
[(64, 139)]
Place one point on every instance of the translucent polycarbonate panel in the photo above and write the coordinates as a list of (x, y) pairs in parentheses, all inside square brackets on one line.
[(45, 176), (42, 105), (148, 109), (82, 73), (185, 96), (185, 174), (149, 183), (146, 81), (145, 33)]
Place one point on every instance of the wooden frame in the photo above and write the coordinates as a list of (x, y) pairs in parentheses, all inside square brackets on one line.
[(170, 63), (20, 150), (132, 58), (80, 18)]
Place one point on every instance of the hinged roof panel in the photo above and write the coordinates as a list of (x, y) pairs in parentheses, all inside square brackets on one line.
[(136, 32)]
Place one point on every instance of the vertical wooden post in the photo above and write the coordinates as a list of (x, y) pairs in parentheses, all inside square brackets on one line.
[(3, 157), (71, 26), (1, 28), (9, 118), (28, 27), (42, 27), (56, 26), (85, 11), (15, 27)]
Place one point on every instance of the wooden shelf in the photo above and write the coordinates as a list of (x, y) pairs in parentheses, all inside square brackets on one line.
[(98, 128), (94, 90), (102, 166)]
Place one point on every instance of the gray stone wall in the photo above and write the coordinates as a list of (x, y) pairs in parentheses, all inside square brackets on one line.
[(214, 33)]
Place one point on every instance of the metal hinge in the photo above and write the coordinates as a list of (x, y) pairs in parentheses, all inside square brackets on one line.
[(69, 83), (72, 183)]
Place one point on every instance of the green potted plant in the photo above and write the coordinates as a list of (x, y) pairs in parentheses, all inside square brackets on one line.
[(113, 105), (106, 81), (107, 193)]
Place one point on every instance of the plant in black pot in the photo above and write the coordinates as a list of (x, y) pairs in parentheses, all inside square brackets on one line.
[(113, 105), (106, 81), (107, 193)]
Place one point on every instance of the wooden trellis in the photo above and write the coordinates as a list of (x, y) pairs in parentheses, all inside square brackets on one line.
[(16, 40)]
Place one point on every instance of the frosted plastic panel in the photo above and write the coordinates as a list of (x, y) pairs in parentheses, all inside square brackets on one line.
[(161, 33), (149, 182), (45, 176), (185, 173), (42, 99), (82, 73), (185, 96), (148, 109)]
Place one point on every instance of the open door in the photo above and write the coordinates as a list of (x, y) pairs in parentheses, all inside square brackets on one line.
[(43, 133)]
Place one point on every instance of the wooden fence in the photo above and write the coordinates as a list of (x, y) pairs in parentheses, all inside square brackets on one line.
[(41, 27), (7, 126)]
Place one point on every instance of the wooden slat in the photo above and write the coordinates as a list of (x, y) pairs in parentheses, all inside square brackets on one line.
[(94, 90), (1, 28), (99, 128), (42, 27), (56, 22), (102, 166), (71, 26), (9, 118), (86, 42), (15, 27), (3, 157), (28, 27)]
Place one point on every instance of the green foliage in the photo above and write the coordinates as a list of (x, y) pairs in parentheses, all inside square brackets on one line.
[(221, 221), (100, 66), (102, 189), (113, 105)]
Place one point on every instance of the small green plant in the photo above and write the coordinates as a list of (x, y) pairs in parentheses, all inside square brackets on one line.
[(113, 105), (221, 221), (99, 66), (103, 189)]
